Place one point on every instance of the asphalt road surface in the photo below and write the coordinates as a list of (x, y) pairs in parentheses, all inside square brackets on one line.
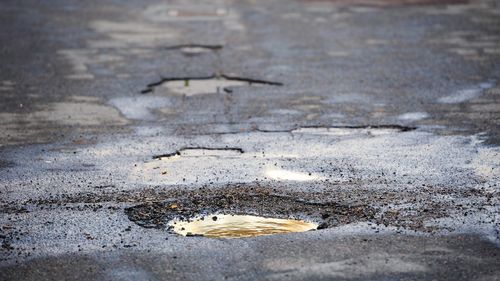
[(379, 120)]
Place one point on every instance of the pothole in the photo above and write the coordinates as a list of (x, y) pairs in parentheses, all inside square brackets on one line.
[(190, 86), (202, 151), (238, 226), (256, 201), (200, 86)]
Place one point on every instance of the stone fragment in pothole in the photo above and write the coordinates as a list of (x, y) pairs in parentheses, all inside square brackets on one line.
[(238, 226)]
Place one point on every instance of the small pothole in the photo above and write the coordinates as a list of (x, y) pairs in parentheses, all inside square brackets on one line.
[(238, 226), (190, 86), (194, 49)]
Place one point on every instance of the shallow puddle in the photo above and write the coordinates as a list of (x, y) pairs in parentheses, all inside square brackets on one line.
[(191, 86), (202, 86), (239, 226)]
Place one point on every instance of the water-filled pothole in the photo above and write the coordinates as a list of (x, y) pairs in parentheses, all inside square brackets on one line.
[(202, 86), (157, 212), (190, 86), (239, 226)]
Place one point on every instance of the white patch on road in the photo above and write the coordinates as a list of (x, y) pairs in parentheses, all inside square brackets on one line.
[(195, 87), (413, 116), (280, 174), (466, 94), (345, 131)]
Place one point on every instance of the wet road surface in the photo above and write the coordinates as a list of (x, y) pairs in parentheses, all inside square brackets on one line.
[(378, 121)]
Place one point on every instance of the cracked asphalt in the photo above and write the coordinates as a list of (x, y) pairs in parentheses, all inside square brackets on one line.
[(379, 120)]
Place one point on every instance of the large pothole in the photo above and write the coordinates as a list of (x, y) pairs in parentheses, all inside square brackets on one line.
[(233, 205)]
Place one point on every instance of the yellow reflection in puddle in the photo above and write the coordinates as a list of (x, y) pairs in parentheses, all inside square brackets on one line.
[(239, 226)]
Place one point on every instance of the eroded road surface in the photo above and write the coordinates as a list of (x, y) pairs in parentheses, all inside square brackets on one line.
[(376, 122)]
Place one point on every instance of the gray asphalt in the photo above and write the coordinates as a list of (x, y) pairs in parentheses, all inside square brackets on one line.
[(379, 120)]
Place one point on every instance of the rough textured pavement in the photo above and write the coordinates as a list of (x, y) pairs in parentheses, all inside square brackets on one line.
[(379, 120)]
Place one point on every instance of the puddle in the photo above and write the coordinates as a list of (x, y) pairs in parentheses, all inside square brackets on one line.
[(239, 226), (202, 86), (191, 86)]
